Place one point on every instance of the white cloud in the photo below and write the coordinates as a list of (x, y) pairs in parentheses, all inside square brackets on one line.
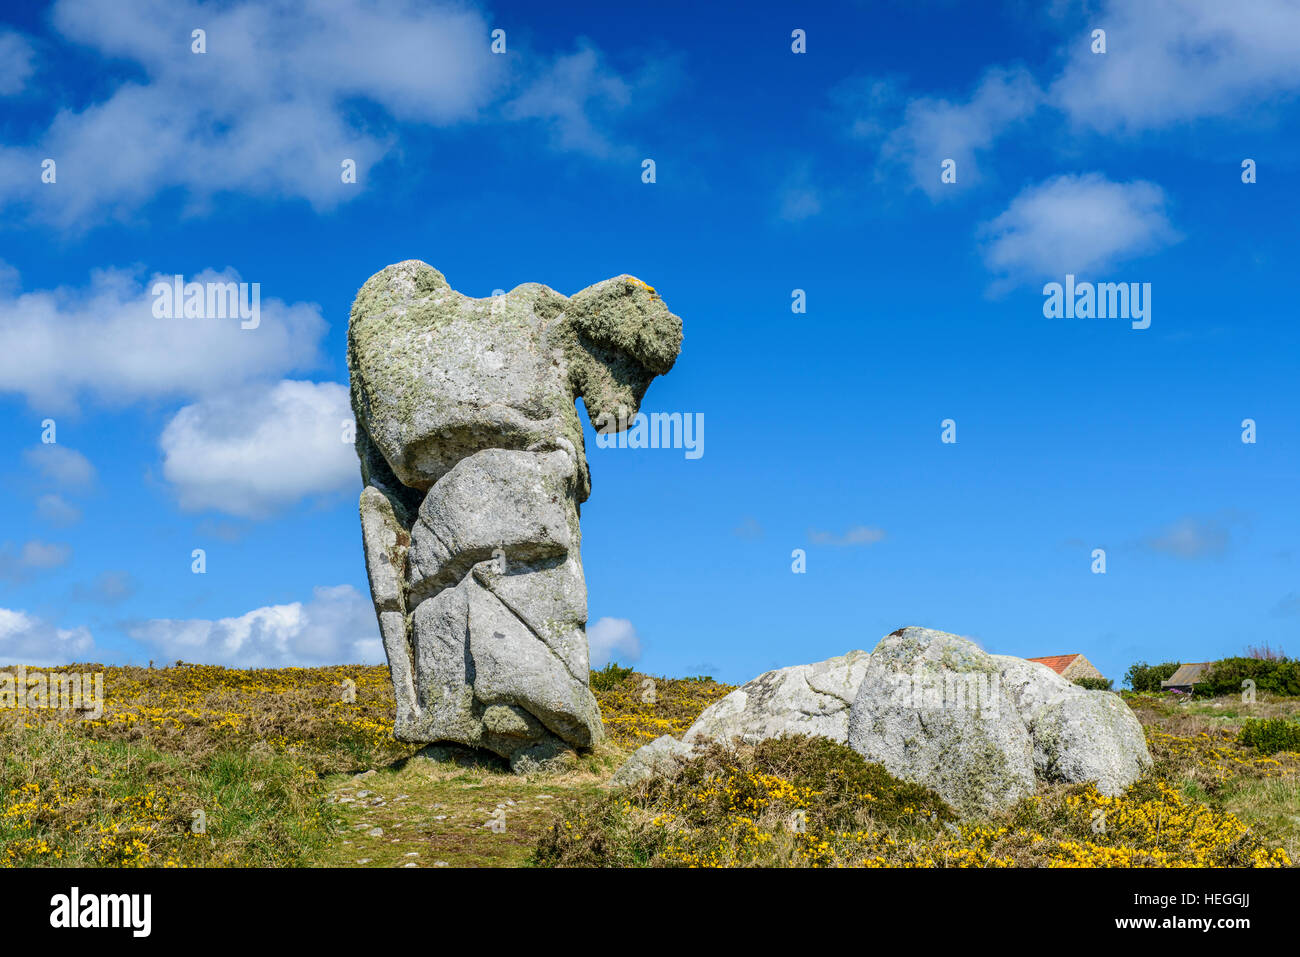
[(60, 465), (268, 109), (934, 130), (38, 554), (1170, 61), (25, 640), (578, 93), (867, 104), (259, 449), (1288, 605), (857, 535), (57, 511), (284, 93), (104, 339), (34, 556), (109, 587), (336, 627), (1192, 537), (613, 639), (1166, 62), (799, 198), (799, 203), (16, 55), (1077, 224)]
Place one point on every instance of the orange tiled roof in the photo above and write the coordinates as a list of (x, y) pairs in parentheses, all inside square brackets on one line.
[(1057, 663)]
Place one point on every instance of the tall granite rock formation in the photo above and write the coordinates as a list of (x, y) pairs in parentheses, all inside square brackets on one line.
[(472, 457)]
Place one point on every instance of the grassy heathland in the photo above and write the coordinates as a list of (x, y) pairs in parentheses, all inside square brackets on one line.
[(196, 765)]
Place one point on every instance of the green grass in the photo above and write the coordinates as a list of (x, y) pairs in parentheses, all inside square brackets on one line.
[(272, 757), (1260, 789), (436, 811), (72, 801)]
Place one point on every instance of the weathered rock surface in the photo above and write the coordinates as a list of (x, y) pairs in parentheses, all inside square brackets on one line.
[(472, 456), (805, 699), (929, 710), (1078, 735), (660, 758), (981, 729)]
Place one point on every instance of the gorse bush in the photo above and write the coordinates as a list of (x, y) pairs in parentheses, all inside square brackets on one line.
[(1270, 735), (245, 747), (1280, 676), (790, 801), (609, 676), (1144, 677), (811, 802), (69, 800), (1094, 684), (839, 778), (638, 708)]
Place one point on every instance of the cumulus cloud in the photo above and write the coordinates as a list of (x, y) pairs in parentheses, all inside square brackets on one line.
[(799, 203), (799, 198), (33, 556), (251, 452), (56, 510), (104, 340), (38, 554), (27, 640), (108, 588), (1288, 605), (265, 110), (284, 93), (1191, 537), (857, 535), (60, 465), (1077, 224), (566, 96), (16, 56), (934, 130), (868, 106), (749, 528), (1167, 62), (613, 639), (337, 626), (1171, 61)]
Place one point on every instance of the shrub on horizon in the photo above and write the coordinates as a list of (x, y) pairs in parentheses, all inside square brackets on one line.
[(1280, 676), (609, 676), (1144, 677), (1094, 684)]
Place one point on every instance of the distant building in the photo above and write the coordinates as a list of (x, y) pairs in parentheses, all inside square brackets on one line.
[(1070, 666), (1186, 676)]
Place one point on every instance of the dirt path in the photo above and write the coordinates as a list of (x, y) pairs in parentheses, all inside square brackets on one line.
[(441, 813)]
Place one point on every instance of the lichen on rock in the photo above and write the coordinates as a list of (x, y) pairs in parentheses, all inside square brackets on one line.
[(934, 709), (472, 455), (982, 729)]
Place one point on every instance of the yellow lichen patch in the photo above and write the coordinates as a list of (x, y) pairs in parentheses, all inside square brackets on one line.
[(643, 284)]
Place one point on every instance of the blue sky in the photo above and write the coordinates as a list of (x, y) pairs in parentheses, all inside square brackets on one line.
[(775, 171)]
